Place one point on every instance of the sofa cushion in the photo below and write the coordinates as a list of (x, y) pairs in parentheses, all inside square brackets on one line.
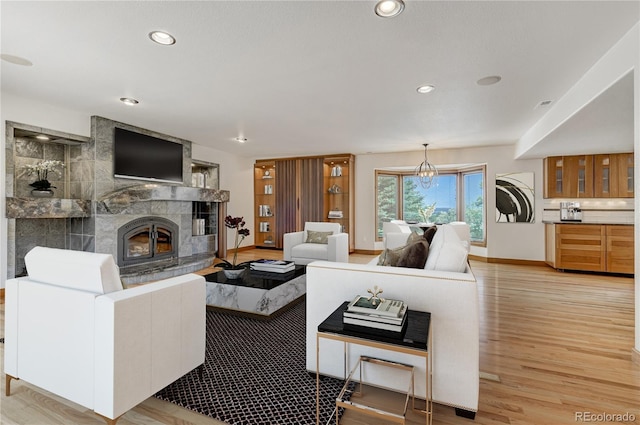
[(414, 255), (447, 252), (86, 271), (310, 250), (390, 257), (318, 237), (430, 233)]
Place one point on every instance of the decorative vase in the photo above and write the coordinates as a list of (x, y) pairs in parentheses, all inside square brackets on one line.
[(45, 193), (233, 274)]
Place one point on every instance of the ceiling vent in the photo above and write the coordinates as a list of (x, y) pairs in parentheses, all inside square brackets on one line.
[(543, 104)]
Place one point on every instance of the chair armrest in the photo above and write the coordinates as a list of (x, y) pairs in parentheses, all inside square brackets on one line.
[(145, 338), (338, 248), (289, 240)]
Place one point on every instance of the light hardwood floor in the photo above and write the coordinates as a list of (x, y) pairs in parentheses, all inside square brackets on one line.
[(553, 346)]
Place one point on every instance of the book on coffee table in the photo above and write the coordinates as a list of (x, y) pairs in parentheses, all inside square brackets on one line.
[(273, 266)]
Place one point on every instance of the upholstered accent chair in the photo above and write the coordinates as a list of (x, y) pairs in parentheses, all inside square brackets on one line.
[(318, 241), (71, 329)]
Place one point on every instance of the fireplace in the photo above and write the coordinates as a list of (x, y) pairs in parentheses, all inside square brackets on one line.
[(147, 239)]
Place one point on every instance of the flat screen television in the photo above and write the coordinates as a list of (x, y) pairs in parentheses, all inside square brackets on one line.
[(142, 157)]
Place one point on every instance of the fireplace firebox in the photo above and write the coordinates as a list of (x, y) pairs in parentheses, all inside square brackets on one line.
[(147, 239)]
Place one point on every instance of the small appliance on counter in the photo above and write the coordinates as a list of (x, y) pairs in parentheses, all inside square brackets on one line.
[(570, 211)]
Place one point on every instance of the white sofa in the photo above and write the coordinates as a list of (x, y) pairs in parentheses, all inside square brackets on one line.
[(450, 297), (296, 249), (72, 330)]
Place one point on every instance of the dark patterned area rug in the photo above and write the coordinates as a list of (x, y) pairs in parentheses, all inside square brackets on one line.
[(255, 373)]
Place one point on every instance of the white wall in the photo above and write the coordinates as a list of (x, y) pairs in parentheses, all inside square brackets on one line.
[(498, 159), (236, 176), (623, 57)]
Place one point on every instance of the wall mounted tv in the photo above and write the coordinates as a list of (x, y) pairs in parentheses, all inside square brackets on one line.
[(142, 157)]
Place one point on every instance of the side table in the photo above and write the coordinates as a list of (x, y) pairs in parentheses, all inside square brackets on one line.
[(417, 341)]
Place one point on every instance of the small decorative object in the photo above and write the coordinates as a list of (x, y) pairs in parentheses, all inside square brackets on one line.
[(336, 171), (42, 187), (374, 298), (426, 212), (335, 189), (236, 223), (233, 274)]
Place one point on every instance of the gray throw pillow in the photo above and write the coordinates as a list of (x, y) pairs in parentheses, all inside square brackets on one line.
[(318, 237), (414, 255)]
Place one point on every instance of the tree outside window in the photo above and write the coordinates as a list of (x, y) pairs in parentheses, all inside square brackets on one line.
[(457, 196)]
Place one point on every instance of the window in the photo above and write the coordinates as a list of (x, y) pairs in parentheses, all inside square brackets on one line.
[(459, 195)]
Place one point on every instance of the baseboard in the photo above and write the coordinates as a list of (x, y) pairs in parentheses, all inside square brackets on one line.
[(367, 251), (635, 356), (513, 261)]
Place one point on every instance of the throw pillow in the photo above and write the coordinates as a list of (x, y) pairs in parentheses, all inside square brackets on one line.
[(318, 237), (414, 255), (413, 237), (390, 257), (429, 233)]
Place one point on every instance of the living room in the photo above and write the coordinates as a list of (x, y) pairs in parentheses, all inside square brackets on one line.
[(520, 145)]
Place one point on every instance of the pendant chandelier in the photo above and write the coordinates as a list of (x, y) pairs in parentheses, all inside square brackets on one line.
[(426, 172)]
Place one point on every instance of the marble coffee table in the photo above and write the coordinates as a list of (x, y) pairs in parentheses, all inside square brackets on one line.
[(255, 292)]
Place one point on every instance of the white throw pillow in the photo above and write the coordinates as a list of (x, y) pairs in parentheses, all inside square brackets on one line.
[(447, 253)]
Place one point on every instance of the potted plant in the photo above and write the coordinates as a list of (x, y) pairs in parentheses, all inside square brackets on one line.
[(42, 186), (233, 270)]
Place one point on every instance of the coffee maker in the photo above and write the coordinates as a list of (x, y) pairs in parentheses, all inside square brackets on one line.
[(570, 211)]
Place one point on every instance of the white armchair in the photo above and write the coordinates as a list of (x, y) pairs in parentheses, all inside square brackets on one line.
[(395, 233), (299, 249), (71, 329)]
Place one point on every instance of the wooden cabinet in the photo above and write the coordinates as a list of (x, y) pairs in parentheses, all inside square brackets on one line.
[(264, 189), (591, 247), (589, 176), (620, 249), (580, 247), (613, 175), (288, 192), (569, 176), (338, 194)]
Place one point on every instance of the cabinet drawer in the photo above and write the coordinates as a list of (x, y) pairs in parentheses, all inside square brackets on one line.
[(580, 247)]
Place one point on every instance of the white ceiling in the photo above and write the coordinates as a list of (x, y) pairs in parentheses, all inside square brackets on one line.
[(311, 77)]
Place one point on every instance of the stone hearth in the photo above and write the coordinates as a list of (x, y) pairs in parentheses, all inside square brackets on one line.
[(90, 204)]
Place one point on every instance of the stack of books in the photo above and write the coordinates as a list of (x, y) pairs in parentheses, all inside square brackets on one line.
[(273, 266), (386, 318)]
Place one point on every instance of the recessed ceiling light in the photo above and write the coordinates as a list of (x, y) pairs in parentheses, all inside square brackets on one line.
[(487, 81), (129, 101), (389, 8), (425, 89), (16, 60), (241, 139), (42, 137), (162, 37)]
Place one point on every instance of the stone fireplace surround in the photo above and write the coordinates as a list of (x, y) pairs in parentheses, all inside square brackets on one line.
[(90, 204)]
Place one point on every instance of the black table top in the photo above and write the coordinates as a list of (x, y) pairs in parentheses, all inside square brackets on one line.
[(416, 335), (257, 279)]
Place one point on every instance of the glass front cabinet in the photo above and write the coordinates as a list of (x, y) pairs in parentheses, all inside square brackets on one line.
[(265, 203), (589, 176), (338, 193)]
